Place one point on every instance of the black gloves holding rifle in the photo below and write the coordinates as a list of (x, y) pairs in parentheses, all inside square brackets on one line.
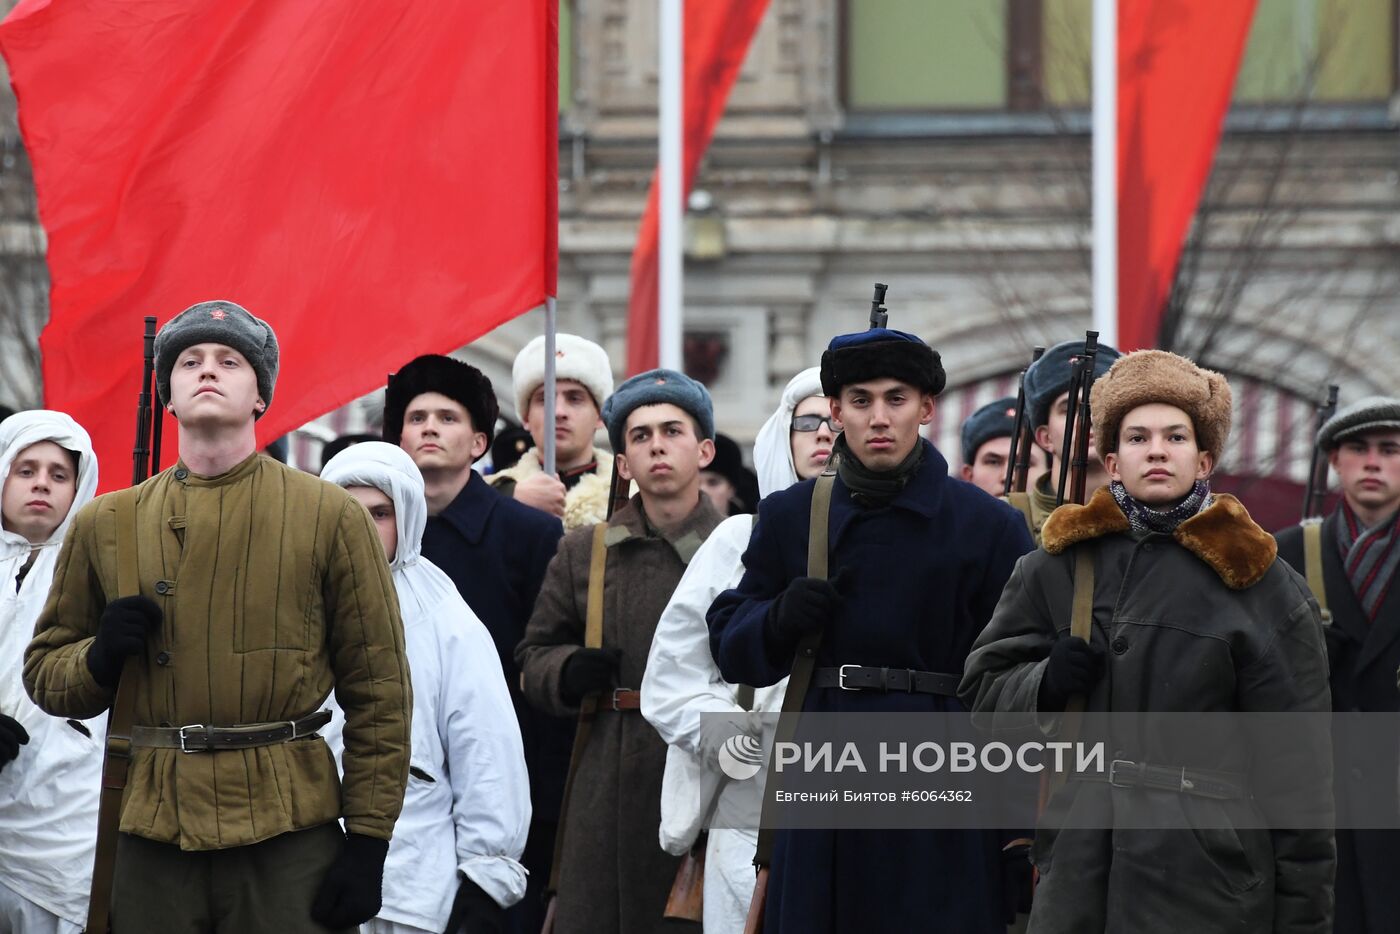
[(12, 736), (1018, 880), (121, 632), (806, 606), (350, 894), (473, 911), (588, 670), (1073, 668)]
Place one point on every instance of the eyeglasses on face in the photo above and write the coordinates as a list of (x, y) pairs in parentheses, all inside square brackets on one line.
[(813, 422)]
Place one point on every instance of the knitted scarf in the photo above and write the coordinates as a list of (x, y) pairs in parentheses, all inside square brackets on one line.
[(871, 487), (1145, 519), (1369, 556)]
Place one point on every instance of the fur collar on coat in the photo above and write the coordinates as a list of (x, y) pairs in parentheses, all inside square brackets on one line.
[(1222, 535), (587, 502)]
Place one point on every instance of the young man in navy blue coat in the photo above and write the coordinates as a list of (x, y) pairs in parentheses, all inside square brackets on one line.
[(496, 550), (920, 559)]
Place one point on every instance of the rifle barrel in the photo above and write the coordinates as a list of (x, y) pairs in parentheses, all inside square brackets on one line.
[(140, 454), (1316, 491), (1071, 416), (879, 314), (1079, 470)]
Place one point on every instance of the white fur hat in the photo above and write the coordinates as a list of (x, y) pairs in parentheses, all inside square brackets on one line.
[(575, 358)]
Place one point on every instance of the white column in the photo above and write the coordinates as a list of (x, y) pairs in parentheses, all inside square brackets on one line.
[(671, 272), (1105, 145)]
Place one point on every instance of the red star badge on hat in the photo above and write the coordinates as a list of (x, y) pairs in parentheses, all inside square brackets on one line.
[(218, 314)]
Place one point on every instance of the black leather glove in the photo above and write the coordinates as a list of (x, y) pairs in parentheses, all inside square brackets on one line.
[(806, 606), (1073, 668), (1018, 881), (12, 736), (473, 911), (588, 670), (121, 632), (351, 892)]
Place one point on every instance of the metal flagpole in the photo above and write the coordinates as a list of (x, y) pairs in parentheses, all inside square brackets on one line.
[(551, 327), (1105, 152), (671, 272)]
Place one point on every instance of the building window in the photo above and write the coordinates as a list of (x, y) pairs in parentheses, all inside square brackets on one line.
[(1319, 50), (566, 54), (909, 56)]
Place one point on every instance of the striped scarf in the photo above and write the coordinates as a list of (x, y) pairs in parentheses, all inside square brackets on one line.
[(1145, 519), (1369, 556)]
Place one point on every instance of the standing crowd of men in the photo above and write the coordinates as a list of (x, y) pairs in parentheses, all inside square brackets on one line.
[(407, 697)]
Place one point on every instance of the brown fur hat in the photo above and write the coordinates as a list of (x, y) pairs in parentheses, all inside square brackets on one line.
[(1147, 376)]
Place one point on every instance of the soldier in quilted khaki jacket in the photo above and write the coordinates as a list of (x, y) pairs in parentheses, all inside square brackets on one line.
[(261, 590)]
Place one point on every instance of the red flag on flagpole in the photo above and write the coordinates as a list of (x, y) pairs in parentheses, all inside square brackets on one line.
[(1177, 64), (375, 178), (717, 37)]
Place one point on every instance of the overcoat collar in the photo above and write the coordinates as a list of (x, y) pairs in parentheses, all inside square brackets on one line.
[(629, 523), (469, 511), (1222, 535), (925, 488)]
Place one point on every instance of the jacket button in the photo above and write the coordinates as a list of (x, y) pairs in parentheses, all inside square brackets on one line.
[(162, 587), (1120, 645), (163, 658), (1356, 774), (181, 473), (1147, 547)]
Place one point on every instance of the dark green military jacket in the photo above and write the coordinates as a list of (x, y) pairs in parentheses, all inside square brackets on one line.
[(275, 589)]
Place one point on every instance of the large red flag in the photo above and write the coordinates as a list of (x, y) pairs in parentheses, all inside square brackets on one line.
[(717, 37), (1176, 68), (375, 178)]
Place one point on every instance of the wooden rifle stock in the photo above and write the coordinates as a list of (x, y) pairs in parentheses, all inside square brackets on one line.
[(687, 899), (1316, 490), (753, 924)]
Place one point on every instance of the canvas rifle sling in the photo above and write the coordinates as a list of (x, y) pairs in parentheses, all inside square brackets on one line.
[(1081, 626), (818, 550), (117, 759), (1022, 504), (1312, 564), (588, 707)]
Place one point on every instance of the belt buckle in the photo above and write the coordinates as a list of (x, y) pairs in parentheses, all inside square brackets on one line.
[(183, 737), (615, 693), (1113, 772), (841, 678)]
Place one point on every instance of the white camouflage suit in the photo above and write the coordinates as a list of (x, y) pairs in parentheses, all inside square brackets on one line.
[(49, 794)]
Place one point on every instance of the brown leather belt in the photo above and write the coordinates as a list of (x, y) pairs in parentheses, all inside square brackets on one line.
[(200, 738), (621, 699)]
